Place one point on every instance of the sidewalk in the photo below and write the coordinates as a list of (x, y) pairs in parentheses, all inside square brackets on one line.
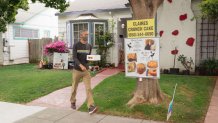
[(17, 113), (61, 98), (212, 113), (52, 115), (9, 112)]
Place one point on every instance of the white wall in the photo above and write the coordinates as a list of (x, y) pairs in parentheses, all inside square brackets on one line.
[(168, 21), (197, 12), (45, 20), (113, 56), (1, 49), (18, 49)]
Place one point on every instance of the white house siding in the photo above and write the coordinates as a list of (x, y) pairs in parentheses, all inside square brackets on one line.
[(168, 21), (45, 20), (18, 51), (1, 50), (113, 56), (197, 12)]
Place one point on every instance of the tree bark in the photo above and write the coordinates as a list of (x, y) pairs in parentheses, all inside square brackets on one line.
[(147, 90)]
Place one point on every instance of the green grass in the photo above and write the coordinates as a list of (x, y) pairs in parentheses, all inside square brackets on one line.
[(190, 104), (24, 83)]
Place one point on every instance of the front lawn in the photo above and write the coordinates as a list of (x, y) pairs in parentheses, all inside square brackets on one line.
[(190, 104), (24, 83)]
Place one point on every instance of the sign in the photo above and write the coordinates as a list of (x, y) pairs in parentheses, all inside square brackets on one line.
[(140, 28), (93, 57), (142, 57), (60, 61)]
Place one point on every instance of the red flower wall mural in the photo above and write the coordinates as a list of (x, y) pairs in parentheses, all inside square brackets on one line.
[(170, 1), (190, 41), (161, 33), (174, 52), (175, 32), (183, 17)]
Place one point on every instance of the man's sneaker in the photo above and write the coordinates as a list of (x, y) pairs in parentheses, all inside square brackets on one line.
[(92, 109), (73, 106)]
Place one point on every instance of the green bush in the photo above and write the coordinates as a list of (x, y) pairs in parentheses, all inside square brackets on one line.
[(210, 66), (105, 42)]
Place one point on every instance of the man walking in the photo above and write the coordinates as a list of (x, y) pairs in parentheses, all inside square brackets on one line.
[(80, 51)]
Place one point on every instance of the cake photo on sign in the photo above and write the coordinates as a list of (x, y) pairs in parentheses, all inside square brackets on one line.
[(131, 66), (152, 64), (150, 44), (132, 57), (141, 68), (152, 72)]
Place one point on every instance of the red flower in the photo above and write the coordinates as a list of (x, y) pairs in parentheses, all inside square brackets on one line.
[(175, 32), (170, 1), (161, 33), (174, 52), (183, 17), (190, 41)]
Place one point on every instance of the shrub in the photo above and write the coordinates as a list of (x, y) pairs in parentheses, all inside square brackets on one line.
[(57, 46)]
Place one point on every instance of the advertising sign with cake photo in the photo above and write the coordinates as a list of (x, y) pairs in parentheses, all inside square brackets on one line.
[(142, 58)]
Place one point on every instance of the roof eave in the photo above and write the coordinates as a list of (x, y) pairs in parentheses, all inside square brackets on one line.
[(91, 11)]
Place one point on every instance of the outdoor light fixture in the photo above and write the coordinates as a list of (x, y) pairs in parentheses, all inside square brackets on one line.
[(122, 26)]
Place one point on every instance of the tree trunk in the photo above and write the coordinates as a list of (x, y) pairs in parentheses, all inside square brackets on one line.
[(147, 90)]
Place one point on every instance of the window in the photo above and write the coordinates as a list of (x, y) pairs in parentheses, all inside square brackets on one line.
[(46, 34), (208, 44), (99, 29), (20, 32), (77, 27)]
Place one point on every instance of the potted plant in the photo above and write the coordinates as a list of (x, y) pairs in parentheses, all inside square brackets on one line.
[(186, 63), (60, 51), (57, 46), (174, 70), (165, 71)]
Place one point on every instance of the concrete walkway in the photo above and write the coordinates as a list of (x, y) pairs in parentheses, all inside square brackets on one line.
[(52, 115), (61, 98), (9, 112), (212, 113), (17, 113)]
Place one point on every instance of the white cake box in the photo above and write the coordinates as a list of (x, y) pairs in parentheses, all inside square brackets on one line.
[(93, 57)]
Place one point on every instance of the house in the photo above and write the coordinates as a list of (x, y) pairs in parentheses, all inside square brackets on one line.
[(177, 27), (36, 23)]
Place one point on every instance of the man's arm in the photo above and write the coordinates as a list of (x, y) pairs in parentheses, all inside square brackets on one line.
[(76, 60)]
